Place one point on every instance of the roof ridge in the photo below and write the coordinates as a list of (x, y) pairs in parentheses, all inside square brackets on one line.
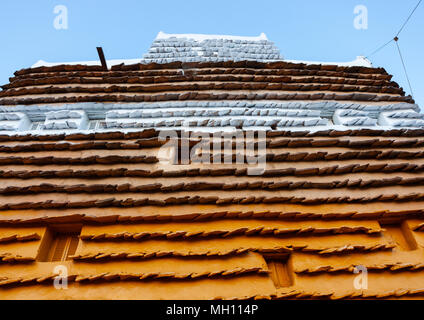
[(201, 37)]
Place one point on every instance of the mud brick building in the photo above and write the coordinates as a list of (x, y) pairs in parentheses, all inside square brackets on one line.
[(89, 189)]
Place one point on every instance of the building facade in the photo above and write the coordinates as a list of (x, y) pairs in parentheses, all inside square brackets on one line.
[(210, 169)]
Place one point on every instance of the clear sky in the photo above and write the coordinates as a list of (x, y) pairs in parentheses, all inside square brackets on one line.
[(302, 29)]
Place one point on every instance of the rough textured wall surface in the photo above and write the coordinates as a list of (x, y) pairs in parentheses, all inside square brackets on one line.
[(87, 184), (327, 202)]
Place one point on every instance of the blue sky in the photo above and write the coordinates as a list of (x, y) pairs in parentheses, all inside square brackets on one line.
[(302, 29)]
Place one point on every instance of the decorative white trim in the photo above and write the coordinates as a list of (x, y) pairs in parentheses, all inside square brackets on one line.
[(353, 118), (101, 108), (65, 119), (207, 115), (110, 63), (14, 121), (360, 61), (404, 118)]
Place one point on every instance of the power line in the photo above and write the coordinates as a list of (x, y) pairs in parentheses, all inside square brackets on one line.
[(403, 26), (404, 67), (398, 33), (380, 48)]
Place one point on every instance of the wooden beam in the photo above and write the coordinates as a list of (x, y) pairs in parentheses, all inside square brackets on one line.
[(102, 57)]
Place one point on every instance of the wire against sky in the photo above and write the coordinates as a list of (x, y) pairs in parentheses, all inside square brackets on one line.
[(404, 67), (403, 26), (398, 33)]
